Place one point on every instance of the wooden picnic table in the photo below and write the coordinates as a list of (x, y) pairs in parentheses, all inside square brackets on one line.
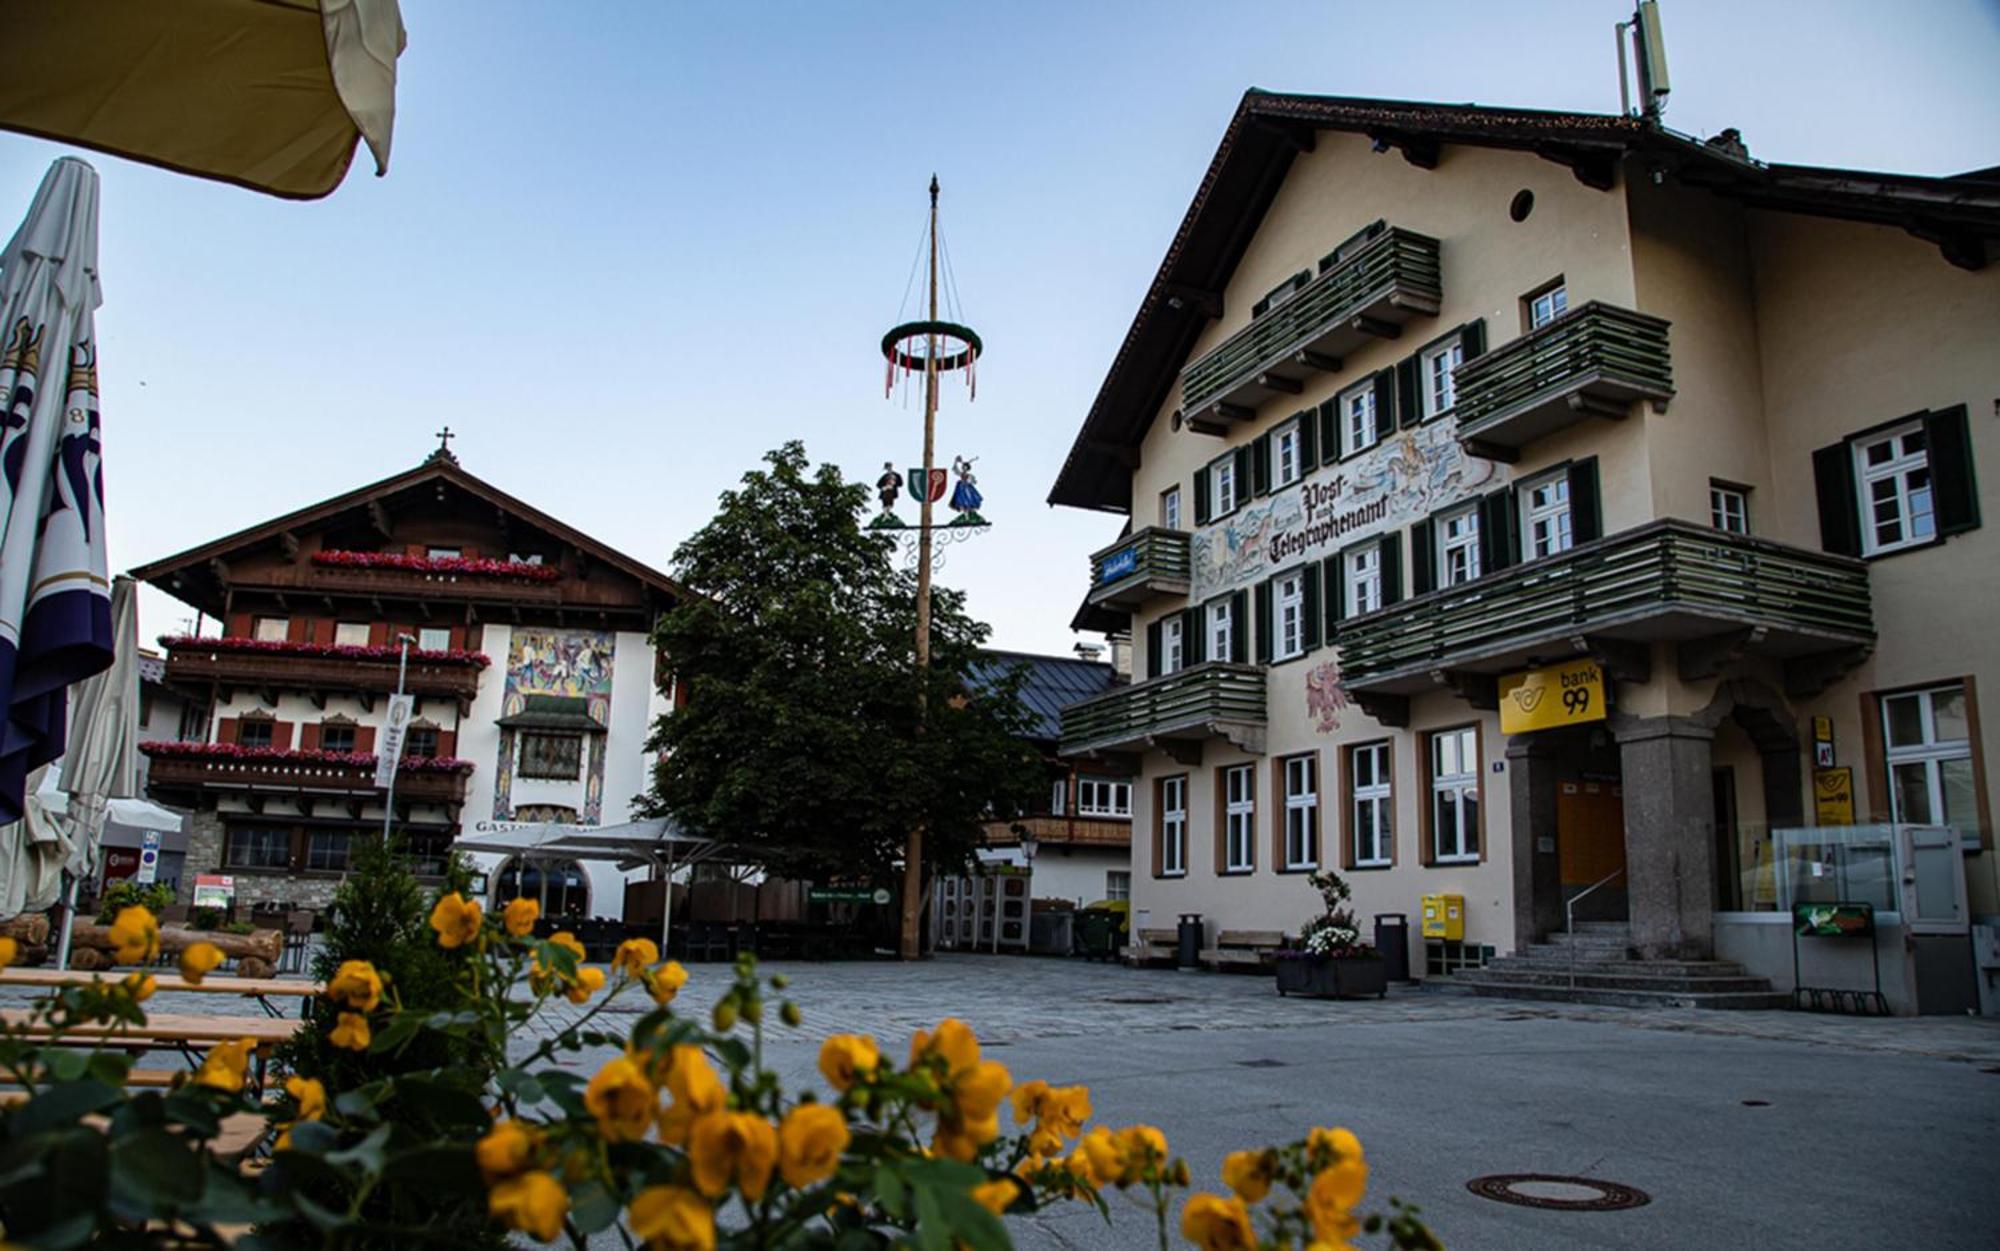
[(189, 1035), (263, 989)]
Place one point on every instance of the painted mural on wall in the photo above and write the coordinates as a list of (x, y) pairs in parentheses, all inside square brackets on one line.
[(574, 664), (1326, 698), (1406, 477)]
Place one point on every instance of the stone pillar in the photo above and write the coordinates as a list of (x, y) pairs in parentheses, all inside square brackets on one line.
[(204, 848), (1531, 795), (1666, 765)]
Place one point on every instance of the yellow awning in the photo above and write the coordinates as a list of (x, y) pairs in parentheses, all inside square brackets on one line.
[(268, 94)]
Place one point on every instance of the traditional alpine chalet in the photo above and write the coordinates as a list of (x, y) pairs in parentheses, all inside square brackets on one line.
[(1559, 513), (529, 657)]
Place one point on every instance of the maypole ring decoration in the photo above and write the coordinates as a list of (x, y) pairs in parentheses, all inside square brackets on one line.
[(907, 347)]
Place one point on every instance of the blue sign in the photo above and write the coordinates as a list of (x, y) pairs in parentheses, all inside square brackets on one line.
[(1119, 564)]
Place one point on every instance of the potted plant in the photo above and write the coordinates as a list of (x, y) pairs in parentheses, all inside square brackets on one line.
[(1330, 959)]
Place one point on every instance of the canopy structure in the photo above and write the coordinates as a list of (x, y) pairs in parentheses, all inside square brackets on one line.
[(268, 94)]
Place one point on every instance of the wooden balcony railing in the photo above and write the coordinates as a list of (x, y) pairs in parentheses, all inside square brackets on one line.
[(193, 663), (194, 772), (1390, 280), (1133, 570), (1593, 360), (1667, 580), (1063, 831), (1211, 700), (430, 585)]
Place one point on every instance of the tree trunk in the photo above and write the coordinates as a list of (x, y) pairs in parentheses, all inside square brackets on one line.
[(265, 945)]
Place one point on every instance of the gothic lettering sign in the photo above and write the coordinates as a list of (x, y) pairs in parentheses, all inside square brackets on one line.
[(1405, 478)]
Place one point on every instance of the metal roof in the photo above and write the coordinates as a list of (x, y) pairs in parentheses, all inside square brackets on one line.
[(1052, 684)]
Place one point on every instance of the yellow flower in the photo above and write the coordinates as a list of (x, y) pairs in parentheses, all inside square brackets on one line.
[(309, 1094), (135, 934), (1249, 1173), (508, 1148), (588, 982), (534, 1203), (695, 1089), (665, 982), (1214, 1223), (1325, 1146), (953, 1044), (1331, 1199), (1122, 1156), (456, 920), (10, 951), (224, 1065), (732, 1146), (198, 960), (520, 916), (996, 1195), (849, 1058), (351, 1032), (621, 1099), (634, 956), (568, 942), (673, 1218), (810, 1143), (140, 986), (1059, 1113), (356, 985), (542, 978)]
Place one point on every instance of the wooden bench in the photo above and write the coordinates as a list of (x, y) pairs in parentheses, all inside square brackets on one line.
[(1256, 949), (1150, 945), (265, 990)]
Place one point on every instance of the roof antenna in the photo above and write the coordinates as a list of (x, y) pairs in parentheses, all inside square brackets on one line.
[(1649, 57)]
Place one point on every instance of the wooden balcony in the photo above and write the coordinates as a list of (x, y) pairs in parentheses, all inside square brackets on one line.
[(410, 584), (1593, 361), (192, 663), (178, 773), (1137, 568), (1389, 281), (1178, 712), (1115, 832), (1716, 596)]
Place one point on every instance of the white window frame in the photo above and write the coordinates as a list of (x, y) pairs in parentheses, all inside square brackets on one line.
[(271, 629), (1358, 417), (1915, 505), (1301, 774), (1222, 486), (1239, 818), (1288, 441), (1459, 844), (1729, 507), (1173, 826), (350, 633), (1548, 527), (1170, 507), (1117, 885), (1220, 620), (1375, 798), (1173, 644), (434, 639), (1440, 388), (1058, 794), (1288, 610), (1103, 797), (1457, 538), (444, 553), (1546, 305), (1930, 753), (1362, 584)]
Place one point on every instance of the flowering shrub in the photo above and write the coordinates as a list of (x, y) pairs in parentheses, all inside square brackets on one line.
[(287, 755), (476, 566), (330, 651), (1334, 931), (682, 1132)]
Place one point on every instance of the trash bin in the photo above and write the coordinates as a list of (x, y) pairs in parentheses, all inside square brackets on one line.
[(1392, 941), (1190, 941)]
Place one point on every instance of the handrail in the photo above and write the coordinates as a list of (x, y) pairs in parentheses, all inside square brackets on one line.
[(1569, 919)]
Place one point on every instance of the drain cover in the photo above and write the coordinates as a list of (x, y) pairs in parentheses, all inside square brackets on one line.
[(1554, 1191), (1260, 1064)]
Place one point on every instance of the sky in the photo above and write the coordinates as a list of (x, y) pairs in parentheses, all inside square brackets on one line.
[(623, 249)]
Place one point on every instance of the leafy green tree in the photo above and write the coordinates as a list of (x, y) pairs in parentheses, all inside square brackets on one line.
[(800, 742)]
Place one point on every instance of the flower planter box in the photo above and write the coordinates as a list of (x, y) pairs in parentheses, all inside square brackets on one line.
[(1333, 978)]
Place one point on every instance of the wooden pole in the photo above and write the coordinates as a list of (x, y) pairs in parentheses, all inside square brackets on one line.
[(911, 945)]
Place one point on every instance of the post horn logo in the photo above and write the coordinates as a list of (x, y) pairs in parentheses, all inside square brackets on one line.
[(1529, 698)]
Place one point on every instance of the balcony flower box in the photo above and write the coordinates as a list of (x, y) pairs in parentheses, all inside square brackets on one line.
[(234, 752), (1332, 977), (448, 566), (324, 651)]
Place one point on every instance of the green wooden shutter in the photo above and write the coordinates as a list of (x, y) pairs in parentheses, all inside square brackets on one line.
[(1265, 648), (1423, 556), (1385, 399), (1392, 566), (1308, 442), (1310, 607), (1153, 650), (1498, 531), (1260, 464), (1245, 455), (1194, 635), (1239, 628), (1329, 430), (1203, 503), (1839, 499), (1336, 591), (1472, 338), (1586, 509), (1409, 375), (1948, 437)]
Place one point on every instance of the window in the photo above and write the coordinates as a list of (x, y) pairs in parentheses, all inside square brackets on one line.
[(434, 639), (1545, 515), (1170, 508), (420, 742), (1893, 471), (1364, 579), (256, 847), (428, 851), (1454, 760), (1926, 736), (442, 553), (1458, 546), (1103, 797), (1288, 456), (1239, 818), (254, 732), (1222, 485), (1290, 598), (1370, 804), (1302, 812), (271, 629), (336, 736), (1439, 392), (350, 633), (553, 757), (1173, 826), (1221, 629), (326, 851), (1058, 793), (1358, 428), (1117, 884), (1547, 305), (1729, 507), (1173, 644)]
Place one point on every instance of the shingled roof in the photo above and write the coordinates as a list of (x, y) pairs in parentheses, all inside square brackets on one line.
[(1053, 683), (1961, 214)]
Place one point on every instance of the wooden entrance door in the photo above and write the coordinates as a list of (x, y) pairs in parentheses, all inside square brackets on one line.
[(1590, 834)]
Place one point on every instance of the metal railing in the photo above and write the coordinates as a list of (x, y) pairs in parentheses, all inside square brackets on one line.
[(1187, 699), (1152, 555), (1594, 344), (1569, 919)]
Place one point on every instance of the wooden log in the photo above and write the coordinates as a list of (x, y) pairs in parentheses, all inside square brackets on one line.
[(265, 945), (88, 959), (255, 966), (30, 929)]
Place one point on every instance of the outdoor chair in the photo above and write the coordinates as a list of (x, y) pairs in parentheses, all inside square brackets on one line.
[(708, 941)]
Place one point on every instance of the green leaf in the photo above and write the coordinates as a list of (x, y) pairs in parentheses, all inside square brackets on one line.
[(314, 1137), (366, 1155), (890, 1192), (525, 1087), (448, 1104), (156, 1168), (65, 1064), (970, 1221), (442, 1168), (733, 1052), (110, 1067), (592, 1207), (62, 1105), (933, 1233)]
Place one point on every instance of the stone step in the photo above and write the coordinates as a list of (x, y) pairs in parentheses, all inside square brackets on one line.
[(1639, 977), (1585, 963), (1606, 939), (1604, 927), (1757, 1000)]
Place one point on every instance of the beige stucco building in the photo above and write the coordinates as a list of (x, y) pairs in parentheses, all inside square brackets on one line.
[(1428, 398)]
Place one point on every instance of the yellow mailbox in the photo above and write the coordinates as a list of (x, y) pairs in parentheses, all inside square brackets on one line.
[(1444, 917)]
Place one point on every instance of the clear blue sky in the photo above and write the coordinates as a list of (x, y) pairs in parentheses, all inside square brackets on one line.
[(625, 248)]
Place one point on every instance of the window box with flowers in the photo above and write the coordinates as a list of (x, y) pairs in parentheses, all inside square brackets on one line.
[(440, 566), (1330, 959)]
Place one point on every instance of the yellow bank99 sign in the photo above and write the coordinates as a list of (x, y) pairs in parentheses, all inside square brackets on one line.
[(1543, 699)]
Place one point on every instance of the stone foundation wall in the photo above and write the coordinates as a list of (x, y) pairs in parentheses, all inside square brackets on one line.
[(204, 855)]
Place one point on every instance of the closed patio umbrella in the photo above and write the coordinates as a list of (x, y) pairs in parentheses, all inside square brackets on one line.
[(101, 763)]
